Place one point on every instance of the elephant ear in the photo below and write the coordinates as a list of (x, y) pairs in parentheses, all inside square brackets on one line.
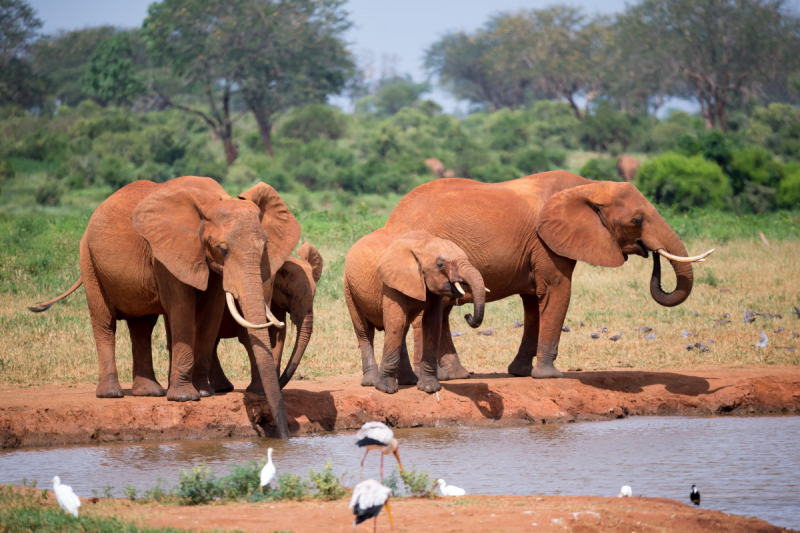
[(311, 256), (399, 268), (170, 221), (282, 229), (571, 226)]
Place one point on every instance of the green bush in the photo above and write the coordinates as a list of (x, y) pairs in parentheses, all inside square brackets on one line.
[(418, 483), (777, 128), (508, 130), (684, 182), (600, 169), (326, 483), (41, 145), (494, 172), (755, 178), (291, 487), (789, 188), (606, 129), (534, 160), (198, 486), (50, 192), (314, 121), (554, 122), (243, 481)]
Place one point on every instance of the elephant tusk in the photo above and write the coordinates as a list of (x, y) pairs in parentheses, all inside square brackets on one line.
[(272, 320), (487, 290), (461, 290), (237, 317), (685, 259)]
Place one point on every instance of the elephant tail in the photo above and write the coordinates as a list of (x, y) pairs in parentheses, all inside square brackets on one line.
[(44, 306)]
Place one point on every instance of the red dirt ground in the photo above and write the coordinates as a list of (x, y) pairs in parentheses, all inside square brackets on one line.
[(55, 414)]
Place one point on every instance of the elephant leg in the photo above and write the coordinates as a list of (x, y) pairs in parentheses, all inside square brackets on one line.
[(180, 301), (208, 317), (552, 311), (431, 333), (104, 327), (365, 334), (405, 374), (216, 376), (396, 328), (277, 337), (523, 361), (144, 376), (256, 386), (417, 325), (450, 366)]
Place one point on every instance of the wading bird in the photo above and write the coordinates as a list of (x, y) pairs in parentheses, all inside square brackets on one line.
[(368, 498), (377, 436), (695, 495), (67, 499), (268, 472), (449, 490), (625, 492)]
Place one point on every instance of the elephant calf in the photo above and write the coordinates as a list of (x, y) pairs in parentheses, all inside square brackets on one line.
[(389, 279)]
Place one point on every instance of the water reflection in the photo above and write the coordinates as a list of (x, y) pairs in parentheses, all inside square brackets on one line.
[(743, 465)]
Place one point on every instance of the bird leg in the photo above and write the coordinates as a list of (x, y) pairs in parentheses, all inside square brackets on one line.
[(381, 469), (375, 525), (362, 465)]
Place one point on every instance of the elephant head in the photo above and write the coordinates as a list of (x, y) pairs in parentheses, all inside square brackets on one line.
[(192, 231), (603, 222), (295, 288), (418, 262)]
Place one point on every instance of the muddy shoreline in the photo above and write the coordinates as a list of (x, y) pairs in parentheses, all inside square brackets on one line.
[(58, 415)]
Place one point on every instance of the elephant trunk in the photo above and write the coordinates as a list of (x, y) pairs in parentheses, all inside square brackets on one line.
[(254, 309), (475, 281), (305, 325), (669, 241)]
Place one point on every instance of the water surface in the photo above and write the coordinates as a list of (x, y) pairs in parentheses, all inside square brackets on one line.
[(744, 465)]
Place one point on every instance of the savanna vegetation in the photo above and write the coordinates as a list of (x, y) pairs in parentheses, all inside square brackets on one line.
[(241, 96)]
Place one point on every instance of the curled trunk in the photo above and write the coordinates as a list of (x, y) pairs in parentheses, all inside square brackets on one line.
[(475, 281), (664, 237), (304, 328)]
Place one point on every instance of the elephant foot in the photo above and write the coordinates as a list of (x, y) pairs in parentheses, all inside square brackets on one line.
[(204, 388), (451, 368), (109, 388), (387, 384), (370, 378), (221, 384), (147, 387), (256, 387), (406, 376), (183, 393), (429, 384), (546, 370), (521, 368)]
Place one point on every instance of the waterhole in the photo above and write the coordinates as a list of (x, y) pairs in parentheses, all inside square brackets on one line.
[(743, 465)]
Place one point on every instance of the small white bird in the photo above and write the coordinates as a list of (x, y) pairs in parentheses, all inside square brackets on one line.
[(67, 499), (625, 492), (368, 498), (268, 472), (449, 490), (377, 436), (764, 340)]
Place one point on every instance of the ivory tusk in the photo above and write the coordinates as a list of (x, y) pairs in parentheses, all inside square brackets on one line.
[(487, 290), (458, 286), (685, 259), (237, 317), (272, 320)]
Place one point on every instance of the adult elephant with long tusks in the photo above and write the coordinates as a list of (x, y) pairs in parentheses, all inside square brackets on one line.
[(525, 236), (293, 294), (180, 249)]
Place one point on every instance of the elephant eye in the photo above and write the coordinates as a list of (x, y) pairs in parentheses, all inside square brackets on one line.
[(223, 249), (440, 263), (638, 222)]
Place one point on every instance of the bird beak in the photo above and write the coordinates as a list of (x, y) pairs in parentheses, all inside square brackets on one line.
[(51, 481), (389, 512), (398, 461)]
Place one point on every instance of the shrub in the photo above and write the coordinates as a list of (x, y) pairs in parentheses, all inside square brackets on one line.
[(507, 130), (494, 172), (291, 487), (600, 169), (313, 121), (789, 188), (606, 129), (555, 122), (241, 482), (41, 145), (116, 171), (327, 484), (418, 483), (198, 486), (535, 160), (242, 176), (684, 182), (49, 193), (754, 164)]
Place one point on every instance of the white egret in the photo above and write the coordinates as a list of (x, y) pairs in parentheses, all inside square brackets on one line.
[(268, 472), (625, 492), (377, 436), (368, 498), (449, 490), (695, 495), (67, 499)]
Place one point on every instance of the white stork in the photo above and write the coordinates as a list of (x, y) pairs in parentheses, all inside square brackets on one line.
[(377, 436), (368, 498), (268, 472), (67, 499)]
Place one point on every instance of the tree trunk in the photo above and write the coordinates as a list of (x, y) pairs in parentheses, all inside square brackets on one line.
[(571, 100), (265, 129), (231, 150)]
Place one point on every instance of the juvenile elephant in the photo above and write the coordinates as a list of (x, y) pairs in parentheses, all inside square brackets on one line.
[(293, 293), (181, 249), (627, 166), (389, 279), (524, 236)]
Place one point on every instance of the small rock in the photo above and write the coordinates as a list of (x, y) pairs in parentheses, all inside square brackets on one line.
[(575, 369), (517, 324), (722, 322), (455, 334), (702, 347), (604, 330), (644, 329), (565, 329), (694, 313), (687, 333), (711, 341), (690, 347), (778, 330), (595, 335), (486, 332), (616, 337), (651, 336)]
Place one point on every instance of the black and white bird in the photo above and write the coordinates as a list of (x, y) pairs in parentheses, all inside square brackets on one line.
[(369, 497), (695, 495), (377, 436), (268, 472), (67, 499)]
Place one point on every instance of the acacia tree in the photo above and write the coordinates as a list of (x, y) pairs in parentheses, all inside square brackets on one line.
[(19, 26), (111, 74), (724, 49)]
